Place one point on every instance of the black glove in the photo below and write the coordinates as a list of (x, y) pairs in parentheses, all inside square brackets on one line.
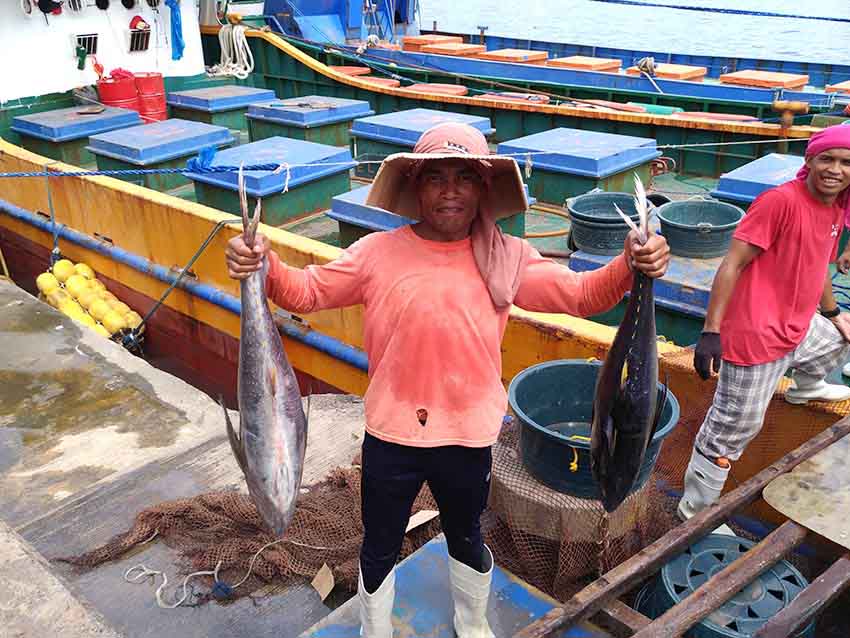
[(708, 350)]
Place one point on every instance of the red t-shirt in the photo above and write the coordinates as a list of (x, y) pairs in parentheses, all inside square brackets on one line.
[(779, 291)]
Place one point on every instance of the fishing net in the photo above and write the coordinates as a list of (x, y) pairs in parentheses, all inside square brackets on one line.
[(556, 541), (225, 527)]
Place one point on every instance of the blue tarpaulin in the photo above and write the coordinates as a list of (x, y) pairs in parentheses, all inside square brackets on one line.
[(177, 43)]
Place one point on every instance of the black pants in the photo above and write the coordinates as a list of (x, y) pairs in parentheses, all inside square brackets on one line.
[(459, 478)]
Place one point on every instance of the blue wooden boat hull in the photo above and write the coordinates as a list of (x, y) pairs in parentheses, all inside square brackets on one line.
[(538, 74)]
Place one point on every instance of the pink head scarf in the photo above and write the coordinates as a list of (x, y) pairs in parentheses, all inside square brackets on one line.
[(831, 137), (500, 258)]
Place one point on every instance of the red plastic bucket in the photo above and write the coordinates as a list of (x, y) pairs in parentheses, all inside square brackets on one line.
[(150, 84), (112, 89)]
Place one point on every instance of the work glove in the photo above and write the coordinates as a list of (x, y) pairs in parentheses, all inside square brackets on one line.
[(708, 350)]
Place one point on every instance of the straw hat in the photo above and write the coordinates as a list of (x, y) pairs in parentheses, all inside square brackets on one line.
[(394, 191)]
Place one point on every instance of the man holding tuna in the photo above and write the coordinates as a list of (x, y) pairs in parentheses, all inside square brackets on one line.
[(437, 295), (771, 309)]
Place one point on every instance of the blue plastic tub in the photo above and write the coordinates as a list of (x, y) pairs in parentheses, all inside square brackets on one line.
[(595, 225), (699, 228), (553, 402)]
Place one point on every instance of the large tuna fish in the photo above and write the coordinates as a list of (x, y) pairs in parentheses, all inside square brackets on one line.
[(272, 426), (626, 407)]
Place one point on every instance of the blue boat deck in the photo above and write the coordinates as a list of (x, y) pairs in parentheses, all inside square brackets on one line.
[(423, 605)]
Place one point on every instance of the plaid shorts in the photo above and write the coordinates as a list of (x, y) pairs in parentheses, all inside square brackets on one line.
[(743, 393)]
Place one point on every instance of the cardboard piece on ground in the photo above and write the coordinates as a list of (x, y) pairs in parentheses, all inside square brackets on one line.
[(420, 518), (323, 582)]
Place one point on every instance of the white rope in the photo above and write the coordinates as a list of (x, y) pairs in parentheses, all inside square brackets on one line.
[(236, 57)]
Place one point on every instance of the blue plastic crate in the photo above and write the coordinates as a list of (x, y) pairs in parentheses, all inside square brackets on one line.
[(158, 142), (73, 123), (585, 153), (309, 161), (219, 98), (749, 181), (404, 128), (351, 208), (684, 288), (309, 111)]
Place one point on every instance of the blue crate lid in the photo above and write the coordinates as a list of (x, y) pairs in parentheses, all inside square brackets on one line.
[(586, 153), (160, 141), (72, 123), (684, 288), (406, 127), (310, 161), (309, 111), (749, 181), (351, 207), (219, 98)]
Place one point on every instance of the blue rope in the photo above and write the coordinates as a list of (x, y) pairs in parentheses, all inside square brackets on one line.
[(765, 14)]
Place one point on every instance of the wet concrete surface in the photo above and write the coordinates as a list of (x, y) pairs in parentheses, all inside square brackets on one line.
[(89, 436)]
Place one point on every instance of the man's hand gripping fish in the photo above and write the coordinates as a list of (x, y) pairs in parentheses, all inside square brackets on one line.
[(272, 425), (626, 406)]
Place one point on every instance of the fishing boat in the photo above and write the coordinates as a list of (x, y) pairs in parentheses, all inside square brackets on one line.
[(156, 239)]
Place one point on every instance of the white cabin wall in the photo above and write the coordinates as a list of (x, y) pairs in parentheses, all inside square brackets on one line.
[(37, 55)]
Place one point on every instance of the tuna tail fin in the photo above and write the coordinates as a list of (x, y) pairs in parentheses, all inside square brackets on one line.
[(249, 224), (235, 441)]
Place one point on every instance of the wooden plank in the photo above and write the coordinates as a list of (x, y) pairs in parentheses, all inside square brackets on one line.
[(647, 561), (620, 620), (809, 602), (726, 583)]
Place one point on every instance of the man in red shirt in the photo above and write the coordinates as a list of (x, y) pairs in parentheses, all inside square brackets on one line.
[(762, 315)]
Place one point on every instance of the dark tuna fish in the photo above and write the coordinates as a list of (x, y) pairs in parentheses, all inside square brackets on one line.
[(626, 406), (272, 436)]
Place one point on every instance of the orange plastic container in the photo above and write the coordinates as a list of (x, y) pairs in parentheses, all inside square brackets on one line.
[(525, 56), (585, 63), (381, 81), (416, 42), (462, 49), (841, 87), (767, 79), (674, 71), (435, 87), (352, 70)]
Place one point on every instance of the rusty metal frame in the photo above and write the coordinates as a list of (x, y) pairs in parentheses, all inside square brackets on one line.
[(600, 599)]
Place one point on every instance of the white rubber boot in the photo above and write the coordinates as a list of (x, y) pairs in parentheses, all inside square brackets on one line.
[(470, 591), (846, 370), (808, 388), (704, 481), (376, 609)]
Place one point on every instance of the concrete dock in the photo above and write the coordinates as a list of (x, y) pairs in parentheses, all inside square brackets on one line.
[(89, 436)]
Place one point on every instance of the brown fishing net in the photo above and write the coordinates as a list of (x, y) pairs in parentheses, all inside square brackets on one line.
[(556, 541), (226, 527)]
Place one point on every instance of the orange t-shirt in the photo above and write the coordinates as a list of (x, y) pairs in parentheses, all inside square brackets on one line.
[(431, 332), (778, 292)]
